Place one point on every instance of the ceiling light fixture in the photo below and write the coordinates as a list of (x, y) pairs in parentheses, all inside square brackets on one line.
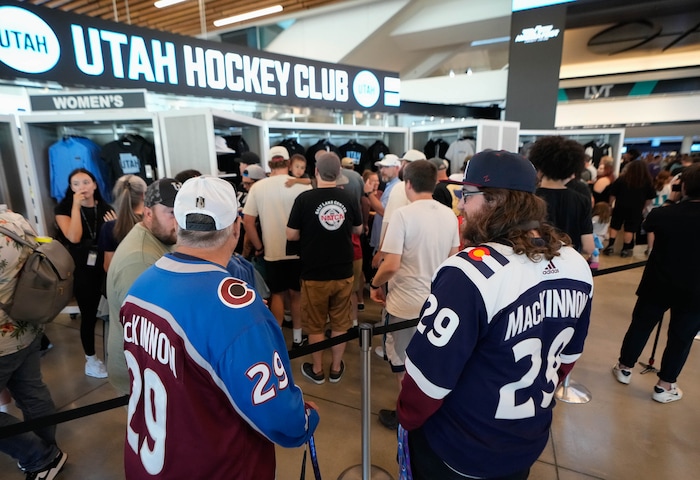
[(489, 41), (247, 16), (166, 3)]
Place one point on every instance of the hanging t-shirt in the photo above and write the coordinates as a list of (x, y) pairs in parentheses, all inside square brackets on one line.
[(323, 144), (374, 153), (74, 152), (458, 151), (130, 155), (354, 150), (436, 147), (292, 146)]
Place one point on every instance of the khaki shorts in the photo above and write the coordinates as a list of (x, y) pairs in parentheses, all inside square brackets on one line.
[(356, 274), (323, 300)]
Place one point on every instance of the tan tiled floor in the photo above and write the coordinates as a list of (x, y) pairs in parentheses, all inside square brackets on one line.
[(621, 434)]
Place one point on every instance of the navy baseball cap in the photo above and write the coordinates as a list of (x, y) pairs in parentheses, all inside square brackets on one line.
[(500, 169)]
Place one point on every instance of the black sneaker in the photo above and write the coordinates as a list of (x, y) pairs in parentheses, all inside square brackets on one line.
[(389, 419), (334, 377), (609, 250), (627, 252), (304, 341), (307, 369), (51, 470)]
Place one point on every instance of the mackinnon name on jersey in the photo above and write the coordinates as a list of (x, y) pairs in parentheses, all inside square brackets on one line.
[(562, 303), (140, 331)]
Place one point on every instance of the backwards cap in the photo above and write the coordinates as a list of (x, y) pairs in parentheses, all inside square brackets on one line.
[(205, 195)]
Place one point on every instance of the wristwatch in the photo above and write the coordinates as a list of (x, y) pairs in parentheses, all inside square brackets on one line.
[(373, 286)]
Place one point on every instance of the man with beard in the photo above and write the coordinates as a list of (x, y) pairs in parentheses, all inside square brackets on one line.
[(505, 321), (149, 240)]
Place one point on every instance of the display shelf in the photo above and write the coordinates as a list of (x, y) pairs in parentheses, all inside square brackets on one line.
[(188, 137), (41, 131), (307, 134), (493, 134)]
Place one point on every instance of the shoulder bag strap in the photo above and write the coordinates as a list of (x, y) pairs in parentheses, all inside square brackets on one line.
[(16, 238)]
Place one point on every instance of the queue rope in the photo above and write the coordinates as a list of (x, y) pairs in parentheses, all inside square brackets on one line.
[(99, 407)]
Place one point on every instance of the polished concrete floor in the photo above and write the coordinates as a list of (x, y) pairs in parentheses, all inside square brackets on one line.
[(620, 434)]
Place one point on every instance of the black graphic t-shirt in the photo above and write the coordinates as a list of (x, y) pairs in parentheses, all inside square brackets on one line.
[(325, 217)]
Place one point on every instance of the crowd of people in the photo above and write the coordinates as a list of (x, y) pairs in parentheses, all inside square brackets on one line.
[(493, 264)]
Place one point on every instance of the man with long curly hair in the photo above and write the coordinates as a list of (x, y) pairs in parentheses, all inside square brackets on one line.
[(504, 323)]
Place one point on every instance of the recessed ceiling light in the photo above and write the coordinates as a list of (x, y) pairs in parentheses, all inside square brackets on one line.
[(247, 16), (166, 3)]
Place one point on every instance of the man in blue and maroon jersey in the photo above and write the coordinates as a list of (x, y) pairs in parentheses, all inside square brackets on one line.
[(211, 385), (504, 323)]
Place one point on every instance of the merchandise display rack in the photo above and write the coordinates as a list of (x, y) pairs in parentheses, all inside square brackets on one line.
[(41, 131), (493, 134), (615, 137), (188, 137), (307, 134)]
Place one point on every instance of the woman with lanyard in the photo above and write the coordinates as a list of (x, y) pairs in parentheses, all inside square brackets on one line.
[(80, 217)]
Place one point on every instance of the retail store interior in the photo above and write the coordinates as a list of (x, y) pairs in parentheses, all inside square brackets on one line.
[(452, 57), (621, 433)]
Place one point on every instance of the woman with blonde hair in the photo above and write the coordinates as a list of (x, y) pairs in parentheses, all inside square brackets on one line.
[(128, 194)]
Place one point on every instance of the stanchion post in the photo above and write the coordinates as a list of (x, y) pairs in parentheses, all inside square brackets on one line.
[(571, 391), (365, 349), (365, 471)]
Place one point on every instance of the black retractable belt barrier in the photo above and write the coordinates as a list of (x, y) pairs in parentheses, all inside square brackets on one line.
[(61, 417), (68, 415)]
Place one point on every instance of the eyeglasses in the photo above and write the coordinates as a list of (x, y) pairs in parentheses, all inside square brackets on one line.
[(463, 194)]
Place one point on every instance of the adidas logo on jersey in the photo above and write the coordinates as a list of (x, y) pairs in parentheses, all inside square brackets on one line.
[(550, 269)]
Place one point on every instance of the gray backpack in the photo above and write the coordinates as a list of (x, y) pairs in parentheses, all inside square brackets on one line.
[(45, 283)]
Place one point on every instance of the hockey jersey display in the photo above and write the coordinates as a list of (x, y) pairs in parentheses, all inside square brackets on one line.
[(72, 152), (208, 402), (130, 155)]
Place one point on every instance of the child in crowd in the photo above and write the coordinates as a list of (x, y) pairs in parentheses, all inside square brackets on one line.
[(297, 170), (601, 221)]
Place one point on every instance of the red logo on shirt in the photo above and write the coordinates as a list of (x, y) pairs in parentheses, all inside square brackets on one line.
[(479, 253), (235, 293)]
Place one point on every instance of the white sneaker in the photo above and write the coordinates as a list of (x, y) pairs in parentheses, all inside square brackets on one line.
[(379, 351), (621, 375), (95, 368), (666, 396)]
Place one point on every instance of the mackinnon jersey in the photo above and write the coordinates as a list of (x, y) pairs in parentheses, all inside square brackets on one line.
[(210, 384), (482, 367)]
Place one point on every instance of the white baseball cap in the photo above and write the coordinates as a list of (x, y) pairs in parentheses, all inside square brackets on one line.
[(389, 160), (209, 196), (413, 155), (278, 151)]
